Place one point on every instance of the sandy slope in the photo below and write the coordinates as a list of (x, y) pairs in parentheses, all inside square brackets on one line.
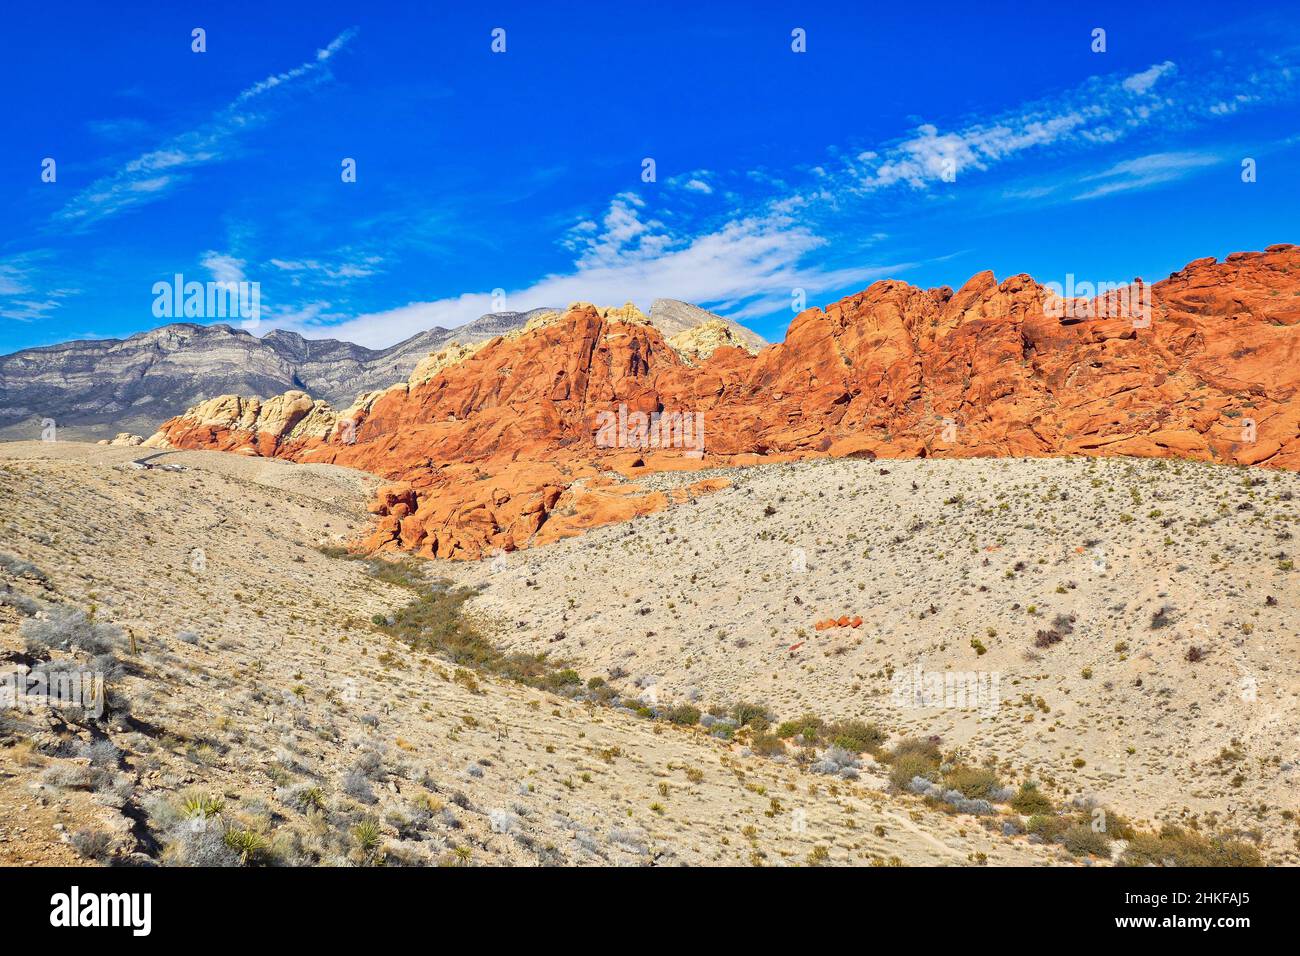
[(708, 600), (257, 674)]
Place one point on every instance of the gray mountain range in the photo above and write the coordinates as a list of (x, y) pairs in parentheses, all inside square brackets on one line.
[(96, 388)]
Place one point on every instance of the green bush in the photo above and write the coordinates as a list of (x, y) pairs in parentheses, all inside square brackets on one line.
[(683, 714), (972, 782), (1173, 846), (1082, 840), (806, 729), (1049, 826), (748, 715), (1030, 800), (767, 745), (856, 736), (913, 757)]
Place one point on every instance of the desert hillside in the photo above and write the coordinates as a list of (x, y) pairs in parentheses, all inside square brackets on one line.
[(271, 700), (261, 708), (1139, 617)]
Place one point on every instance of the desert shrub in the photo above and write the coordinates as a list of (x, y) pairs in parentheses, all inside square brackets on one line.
[(804, 730), (751, 715), (77, 777), (91, 844), (567, 677), (1048, 826), (1118, 827), (837, 760), (1029, 800), (28, 607), (856, 736), (101, 753), (971, 782), (1081, 839), (684, 714), (68, 628), (248, 846), (1163, 617), (1173, 846), (370, 763), (1046, 638), (410, 822), (20, 568), (357, 786), (766, 744), (912, 757), (189, 846), (304, 798)]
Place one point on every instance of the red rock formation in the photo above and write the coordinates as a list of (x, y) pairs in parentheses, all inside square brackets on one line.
[(509, 446)]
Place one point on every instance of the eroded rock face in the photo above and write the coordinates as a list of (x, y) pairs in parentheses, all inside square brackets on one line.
[(512, 443), (673, 317)]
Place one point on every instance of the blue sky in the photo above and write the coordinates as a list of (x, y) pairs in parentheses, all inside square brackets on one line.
[(522, 170)]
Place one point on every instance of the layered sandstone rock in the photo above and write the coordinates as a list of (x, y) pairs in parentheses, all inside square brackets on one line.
[(509, 444), (698, 343)]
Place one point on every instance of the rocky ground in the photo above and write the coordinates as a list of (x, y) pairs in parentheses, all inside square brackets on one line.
[(261, 709), (1140, 617)]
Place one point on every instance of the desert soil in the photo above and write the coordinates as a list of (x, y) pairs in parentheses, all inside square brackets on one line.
[(254, 697), (1168, 686)]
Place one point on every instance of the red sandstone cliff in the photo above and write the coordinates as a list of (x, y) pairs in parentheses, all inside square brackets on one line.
[(498, 447)]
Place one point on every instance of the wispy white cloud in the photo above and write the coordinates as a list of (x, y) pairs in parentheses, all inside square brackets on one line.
[(1144, 81), (314, 271), (747, 263), (696, 181), (150, 175), (224, 267), (23, 296), (1102, 111), (1144, 171), (746, 267), (298, 72)]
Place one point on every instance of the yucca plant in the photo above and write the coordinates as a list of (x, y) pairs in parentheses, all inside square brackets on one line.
[(203, 805), (367, 836), (246, 843), (310, 798)]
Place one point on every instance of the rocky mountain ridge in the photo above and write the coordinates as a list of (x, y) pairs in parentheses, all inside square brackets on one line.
[(510, 445), (101, 387)]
